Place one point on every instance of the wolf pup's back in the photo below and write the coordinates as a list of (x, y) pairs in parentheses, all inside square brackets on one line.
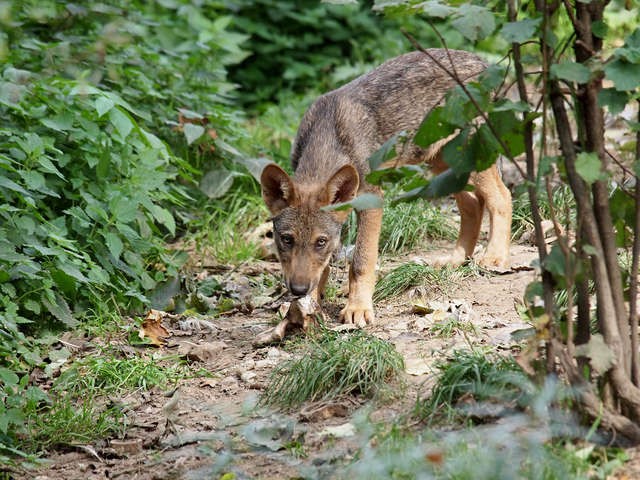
[(346, 125)]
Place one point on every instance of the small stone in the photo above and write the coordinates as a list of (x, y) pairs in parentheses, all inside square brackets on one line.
[(248, 377)]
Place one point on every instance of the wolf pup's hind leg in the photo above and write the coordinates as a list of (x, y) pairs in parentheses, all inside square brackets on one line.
[(497, 198)]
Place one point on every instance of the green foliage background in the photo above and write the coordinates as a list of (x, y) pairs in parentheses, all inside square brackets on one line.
[(93, 175)]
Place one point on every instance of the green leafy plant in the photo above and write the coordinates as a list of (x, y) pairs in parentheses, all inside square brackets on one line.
[(96, 101), (297, 45)]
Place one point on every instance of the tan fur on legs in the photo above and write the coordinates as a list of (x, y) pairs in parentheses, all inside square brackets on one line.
[(362, 277), (319, 292), (471, 208), (497, 198)]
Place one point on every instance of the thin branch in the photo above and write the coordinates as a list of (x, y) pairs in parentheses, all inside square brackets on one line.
[(464, 88), (619, 163), (569, 8), (633, 287), (547, 280)]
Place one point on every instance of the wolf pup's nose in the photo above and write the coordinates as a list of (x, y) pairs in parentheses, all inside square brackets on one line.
[(298, 289)]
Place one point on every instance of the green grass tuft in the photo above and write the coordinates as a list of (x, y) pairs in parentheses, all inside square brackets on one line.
[(449, 326), (108, 375), (408, 275), (333, 364), (409, 225), (562, 201), (218, 234), (476, 375), (71, 422)]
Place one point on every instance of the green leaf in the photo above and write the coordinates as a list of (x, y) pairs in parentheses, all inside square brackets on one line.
[(589, 167), (114, 244), (474, 22), (103, 105), (555, 263), (8, 377), (509, 129), (457, 154), (192, 132), (123, 209), (121, 122), (446, 183), (59, 308), (84, 89), (624, 75), (459, 110), (254, 165), (32, 306), (386, 152), (215, 183), (571, 72), (484, 148), (46, 165), (434, 127), (11, 185), (435, 9), (599, 28), (613, 99), (393, 175), (163, 216), (164, 293), (520, 31), (364, 201), (73, 271), (61, 122)]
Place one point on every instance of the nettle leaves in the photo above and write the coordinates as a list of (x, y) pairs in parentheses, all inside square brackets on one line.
[(473, 144), (84, 192)]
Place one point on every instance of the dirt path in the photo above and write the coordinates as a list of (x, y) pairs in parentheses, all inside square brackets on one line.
[(209, 426)]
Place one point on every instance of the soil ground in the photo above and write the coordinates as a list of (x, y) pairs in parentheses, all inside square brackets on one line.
[(209, 426)]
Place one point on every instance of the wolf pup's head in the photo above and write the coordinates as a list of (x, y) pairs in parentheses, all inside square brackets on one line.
[(305, 235)]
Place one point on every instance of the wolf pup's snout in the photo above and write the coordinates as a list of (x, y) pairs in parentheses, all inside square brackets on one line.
[(299, 289)]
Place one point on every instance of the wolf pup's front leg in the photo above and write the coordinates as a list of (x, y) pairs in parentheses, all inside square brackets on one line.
[(362, 274)]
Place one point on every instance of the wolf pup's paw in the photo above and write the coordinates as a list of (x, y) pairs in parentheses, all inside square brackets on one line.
[(358, 314), (493, 261), (454, 259)]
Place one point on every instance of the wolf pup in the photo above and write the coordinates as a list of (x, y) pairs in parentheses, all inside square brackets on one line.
[(337, 134)]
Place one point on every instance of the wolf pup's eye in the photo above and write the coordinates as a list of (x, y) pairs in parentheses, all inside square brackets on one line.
[(321, 243), (286, 240)]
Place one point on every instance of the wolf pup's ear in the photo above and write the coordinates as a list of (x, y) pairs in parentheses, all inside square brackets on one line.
[(277, 188), (343, 186)]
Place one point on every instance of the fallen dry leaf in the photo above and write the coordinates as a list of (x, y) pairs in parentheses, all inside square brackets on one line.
[(339, 431), (435, 456), (209, 382), (153, 329)]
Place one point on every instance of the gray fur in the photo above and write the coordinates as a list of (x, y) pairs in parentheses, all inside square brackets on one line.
[(348, 124)]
